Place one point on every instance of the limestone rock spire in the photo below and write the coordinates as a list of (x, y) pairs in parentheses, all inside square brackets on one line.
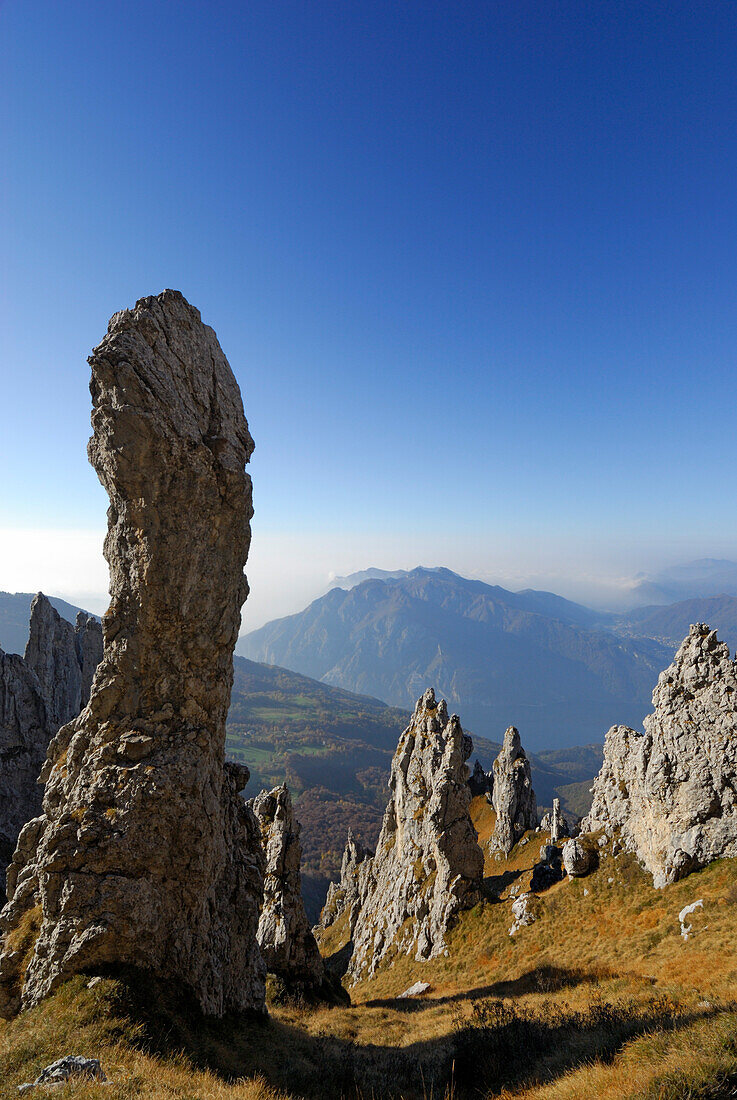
[(513, 797), (146, 855)]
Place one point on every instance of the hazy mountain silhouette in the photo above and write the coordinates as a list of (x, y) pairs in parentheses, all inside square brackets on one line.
[(533, 659)]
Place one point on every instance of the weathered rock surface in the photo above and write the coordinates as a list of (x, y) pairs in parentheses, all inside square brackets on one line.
[(481, 782), (577, 859), (345, 896), (672, 791), (523, 912), (287, 944), (38, 693), (145, 854), (513, 797), (24, 738), (71, 1067), (428, 864)]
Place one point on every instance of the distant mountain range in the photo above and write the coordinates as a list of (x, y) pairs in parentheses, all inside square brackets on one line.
[(555, 669), (563, 673), (704, 577)]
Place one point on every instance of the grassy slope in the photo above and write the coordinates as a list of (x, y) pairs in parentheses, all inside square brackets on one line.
[(600, 997)]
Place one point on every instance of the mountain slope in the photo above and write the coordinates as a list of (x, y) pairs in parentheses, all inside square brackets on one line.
[(670, 623), (530, 659)]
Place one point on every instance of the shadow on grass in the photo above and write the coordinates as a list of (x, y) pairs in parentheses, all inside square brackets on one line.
[(543, 979), (498, 1045)]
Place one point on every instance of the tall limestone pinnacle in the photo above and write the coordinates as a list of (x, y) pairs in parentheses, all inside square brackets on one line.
[(287, 944), (672, 790), (513, 798), (428, 864), (145, 854)]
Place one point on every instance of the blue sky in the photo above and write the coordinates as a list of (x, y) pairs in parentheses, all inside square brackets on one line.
[(473, 265)]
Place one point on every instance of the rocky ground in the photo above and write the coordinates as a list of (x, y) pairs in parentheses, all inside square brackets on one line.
[(600, 996)]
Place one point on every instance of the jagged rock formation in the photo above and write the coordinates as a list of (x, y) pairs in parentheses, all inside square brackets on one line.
[(64, 658), (345, 896), (481, 782), (38, 693), (513, 797), (672, 791), (428, 864), (287, 944), (145, 854)]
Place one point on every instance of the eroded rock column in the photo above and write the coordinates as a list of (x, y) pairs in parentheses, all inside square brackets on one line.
[(513, 797), (146, 855)]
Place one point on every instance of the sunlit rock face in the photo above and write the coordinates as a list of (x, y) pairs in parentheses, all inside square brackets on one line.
[(428, 864), (40, 691), (672, 790), (287, 944), (513, 797), (145, 854)]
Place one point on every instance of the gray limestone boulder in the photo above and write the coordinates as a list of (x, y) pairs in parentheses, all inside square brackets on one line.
[(577, 859), (428, 863), (672, 790), (145, 854), (513, 797), (287, 944)]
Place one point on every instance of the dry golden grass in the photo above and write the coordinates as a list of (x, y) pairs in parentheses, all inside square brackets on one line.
[(600, 997)]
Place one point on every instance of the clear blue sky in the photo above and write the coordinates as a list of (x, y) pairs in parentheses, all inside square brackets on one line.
[(474, 265)]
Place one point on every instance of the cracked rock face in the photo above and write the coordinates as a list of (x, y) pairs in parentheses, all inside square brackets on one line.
[(145, 854), (287, 944), (428, 864), (513, 798), (24, 738), (38, 693), (672, 791), (345, 896)]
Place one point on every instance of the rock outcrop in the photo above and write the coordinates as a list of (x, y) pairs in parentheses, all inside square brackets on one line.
[(24, 738), (578, 860), (345, 896), (64, 658), (287, 944), (513, 798), (38, 693), (672, 791), (146, 855), (428, 864)]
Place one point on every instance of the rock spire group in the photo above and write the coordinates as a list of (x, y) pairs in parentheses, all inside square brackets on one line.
[(145, 853)]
